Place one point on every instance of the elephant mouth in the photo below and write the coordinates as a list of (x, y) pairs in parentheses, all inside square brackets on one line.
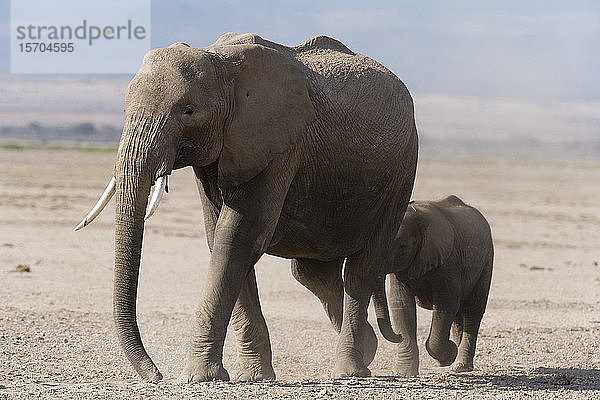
[(161, 185)]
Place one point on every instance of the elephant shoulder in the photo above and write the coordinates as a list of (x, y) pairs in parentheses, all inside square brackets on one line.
[(323, 42)]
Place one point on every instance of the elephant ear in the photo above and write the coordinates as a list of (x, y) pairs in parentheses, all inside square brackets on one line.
[(437, 240), (272, 108)]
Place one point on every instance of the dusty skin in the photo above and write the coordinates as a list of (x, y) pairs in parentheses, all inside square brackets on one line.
[(540, 336)]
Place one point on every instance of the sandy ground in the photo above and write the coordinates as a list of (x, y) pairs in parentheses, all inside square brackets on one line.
[(540, 337)]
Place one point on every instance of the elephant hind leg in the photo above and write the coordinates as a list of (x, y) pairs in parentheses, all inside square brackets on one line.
[(472, 314), (324, 280), (357, 342), (457, 329)]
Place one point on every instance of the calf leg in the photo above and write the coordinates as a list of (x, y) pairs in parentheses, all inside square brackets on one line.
[(472, 315), (403, 312), (446, 301)]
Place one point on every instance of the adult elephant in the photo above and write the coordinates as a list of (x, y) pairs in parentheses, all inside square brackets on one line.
[(298, 152)]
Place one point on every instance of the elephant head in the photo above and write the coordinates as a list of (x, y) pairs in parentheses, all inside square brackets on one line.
[(424, 242), (238, 106)]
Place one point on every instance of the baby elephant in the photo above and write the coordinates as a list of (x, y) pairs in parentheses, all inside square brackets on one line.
[(443, 257)]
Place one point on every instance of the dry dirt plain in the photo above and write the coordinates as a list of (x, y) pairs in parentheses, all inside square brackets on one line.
[(540, 337)]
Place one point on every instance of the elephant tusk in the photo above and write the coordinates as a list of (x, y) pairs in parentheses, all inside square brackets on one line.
[(159, 189), (102, 202)]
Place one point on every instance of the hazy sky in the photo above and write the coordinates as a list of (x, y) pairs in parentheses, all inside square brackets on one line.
[(533, 52), (503, 48)]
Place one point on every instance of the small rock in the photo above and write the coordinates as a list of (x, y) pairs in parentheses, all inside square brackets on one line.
[(66, 340), (22, 268), (595, 263)]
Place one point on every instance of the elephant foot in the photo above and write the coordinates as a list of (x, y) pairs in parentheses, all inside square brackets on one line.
[(407, 358), (463, 367), (351, 371), (200, 371), (444, 356), (369, 345), (406, 370), (347, 367), (251, 370)]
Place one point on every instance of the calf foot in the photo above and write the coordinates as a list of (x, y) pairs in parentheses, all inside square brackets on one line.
[(445, 355), (248, 369)]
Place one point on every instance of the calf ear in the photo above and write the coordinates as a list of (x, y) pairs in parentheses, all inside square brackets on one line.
[(272, 108), (437, 240)]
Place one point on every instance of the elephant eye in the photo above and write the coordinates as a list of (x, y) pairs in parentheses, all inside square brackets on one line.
[(188, 111)]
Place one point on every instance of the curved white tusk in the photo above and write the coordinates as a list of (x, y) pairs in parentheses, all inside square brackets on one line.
[(159, 190), (102, 202)]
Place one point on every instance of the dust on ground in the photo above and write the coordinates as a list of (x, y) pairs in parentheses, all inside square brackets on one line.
[(540, 337)]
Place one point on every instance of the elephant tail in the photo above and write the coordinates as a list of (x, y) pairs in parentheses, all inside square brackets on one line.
[(382, 312)]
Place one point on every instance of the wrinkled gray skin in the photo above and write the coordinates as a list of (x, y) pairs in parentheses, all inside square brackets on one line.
[(443, 256), (298, 152)]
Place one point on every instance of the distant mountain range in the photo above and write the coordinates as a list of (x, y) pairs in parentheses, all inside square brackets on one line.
[(89, 110), (89, 135)]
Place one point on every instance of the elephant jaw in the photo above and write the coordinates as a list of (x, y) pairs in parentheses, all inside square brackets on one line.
[(161, 185)]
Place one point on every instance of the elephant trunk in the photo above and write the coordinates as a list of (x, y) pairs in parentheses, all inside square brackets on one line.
[(382, 312), (134, 178)]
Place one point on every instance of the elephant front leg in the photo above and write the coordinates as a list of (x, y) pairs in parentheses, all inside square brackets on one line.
[(253, 345), (238, 243), (445, 300), (254, 357), (404, 321), (439, 345)]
